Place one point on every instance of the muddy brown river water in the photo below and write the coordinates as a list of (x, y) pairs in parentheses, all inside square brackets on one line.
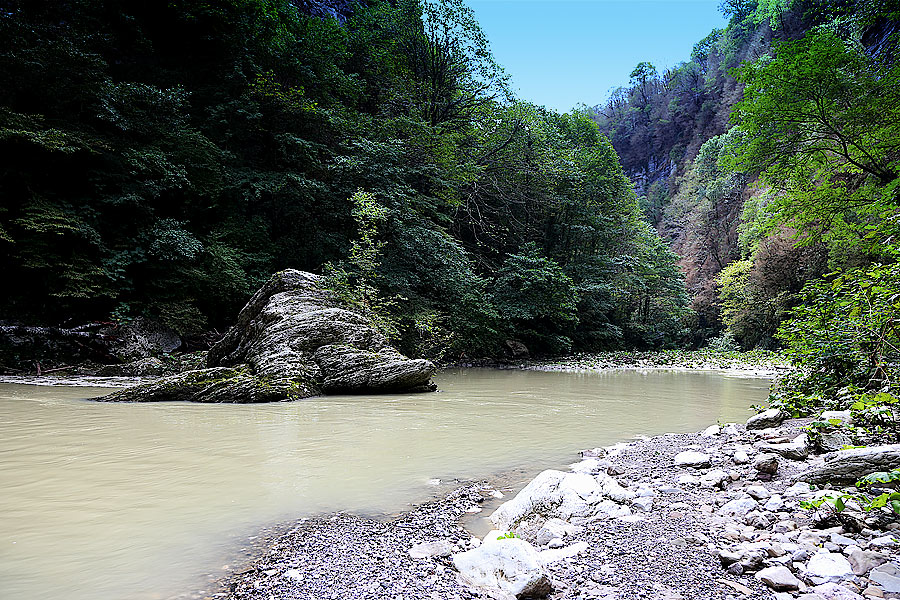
[(146, 501)]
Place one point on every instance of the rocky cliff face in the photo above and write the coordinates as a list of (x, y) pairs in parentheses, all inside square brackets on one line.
[(292, 340)]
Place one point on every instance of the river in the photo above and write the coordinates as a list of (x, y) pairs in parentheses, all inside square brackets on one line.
[(147, 501)]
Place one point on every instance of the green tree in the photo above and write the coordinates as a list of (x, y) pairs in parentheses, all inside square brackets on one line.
[(822, 125)]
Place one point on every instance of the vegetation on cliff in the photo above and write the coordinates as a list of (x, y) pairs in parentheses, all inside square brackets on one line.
[(771, 162)]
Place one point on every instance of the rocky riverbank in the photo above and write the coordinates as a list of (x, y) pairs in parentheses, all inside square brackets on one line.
[(715, 514), (756, 363)]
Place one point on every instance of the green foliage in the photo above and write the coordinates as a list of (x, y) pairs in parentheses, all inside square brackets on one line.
[(724, 343), (844, 337), (838, 502), (167, 167), (846, 330), (538, 299), (821, 121), (355, 279)]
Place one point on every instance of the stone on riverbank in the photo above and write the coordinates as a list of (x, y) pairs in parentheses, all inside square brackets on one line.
[(829, 565), (850, 465), (564, 496), (431, 549), (510, 565), (768, 418), (798, 449), (779, 578), (692, 458), (292, 340)]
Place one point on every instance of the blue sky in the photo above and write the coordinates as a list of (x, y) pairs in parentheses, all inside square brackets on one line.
[(566, 52)]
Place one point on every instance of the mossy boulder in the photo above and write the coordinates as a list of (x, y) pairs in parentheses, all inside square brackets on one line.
[(204, 385), (292, 340)]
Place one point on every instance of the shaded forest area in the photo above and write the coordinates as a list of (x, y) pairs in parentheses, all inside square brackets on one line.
[(162, 159)]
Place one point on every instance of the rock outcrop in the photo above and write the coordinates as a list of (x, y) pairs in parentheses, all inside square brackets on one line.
[(854, 463), (292, 340)]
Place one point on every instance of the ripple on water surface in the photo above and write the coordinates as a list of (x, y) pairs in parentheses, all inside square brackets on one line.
[(137, 501)]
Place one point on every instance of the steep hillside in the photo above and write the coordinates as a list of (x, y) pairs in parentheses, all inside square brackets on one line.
[(670, 131)]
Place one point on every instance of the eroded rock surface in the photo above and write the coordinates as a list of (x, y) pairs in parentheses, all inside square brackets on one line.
[(292, 340), (852, 464), (511, 565)]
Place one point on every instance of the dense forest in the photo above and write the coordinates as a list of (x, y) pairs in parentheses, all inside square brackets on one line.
[(162, 159)]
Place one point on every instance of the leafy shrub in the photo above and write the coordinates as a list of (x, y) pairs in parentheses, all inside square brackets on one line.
[(724, 343), (537, 299)]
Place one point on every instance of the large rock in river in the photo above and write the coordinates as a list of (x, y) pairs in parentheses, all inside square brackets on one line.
[(292, 340)]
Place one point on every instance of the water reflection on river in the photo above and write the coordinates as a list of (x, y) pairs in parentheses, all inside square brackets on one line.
[(124, 501)]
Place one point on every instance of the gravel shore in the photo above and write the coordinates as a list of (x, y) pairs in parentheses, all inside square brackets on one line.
[(712, 529)]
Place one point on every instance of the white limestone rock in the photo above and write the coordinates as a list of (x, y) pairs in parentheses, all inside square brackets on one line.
[(887, 576), (797, 449), (738, 507), (711, 431), (854, 463), (759, 492), (555, 529), (431, 549), (692, 458), (510, 565), (829, 565), (863, 561), (779, 578), (833, 591), (564, 496), (713, 479)]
